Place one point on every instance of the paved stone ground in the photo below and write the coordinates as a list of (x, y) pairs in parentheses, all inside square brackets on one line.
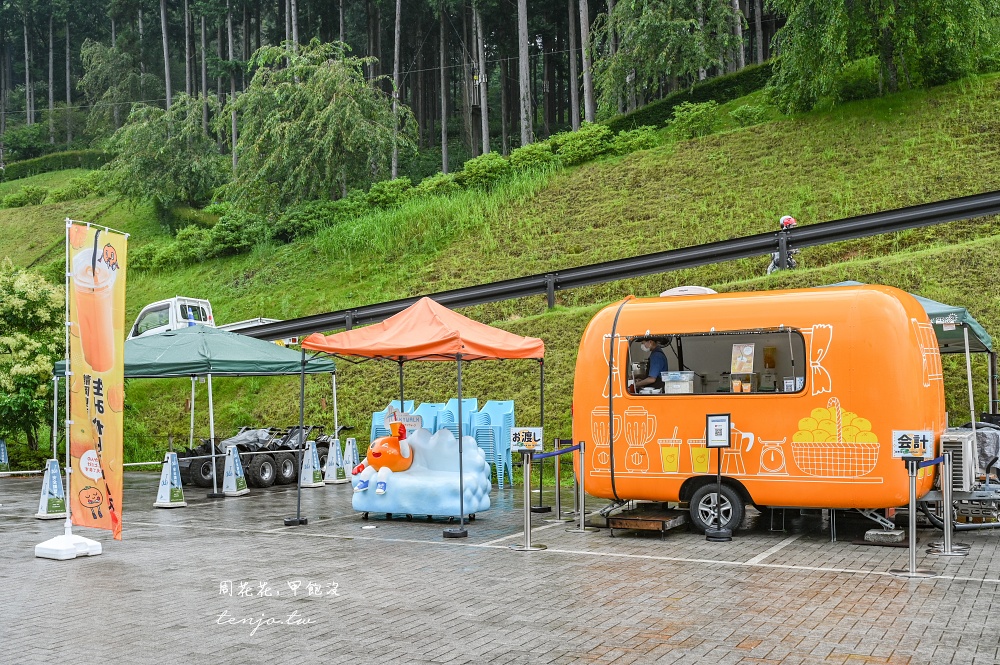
[(405, 595)]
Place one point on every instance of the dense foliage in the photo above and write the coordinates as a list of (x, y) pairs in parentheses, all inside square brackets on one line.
[(915, 43), (311, 126), (31, 339)]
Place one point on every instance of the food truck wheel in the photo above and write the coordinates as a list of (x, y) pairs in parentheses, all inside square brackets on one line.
[(703, 507)]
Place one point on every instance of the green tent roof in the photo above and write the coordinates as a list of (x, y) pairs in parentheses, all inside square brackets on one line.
[(199, 350), (948, 321)]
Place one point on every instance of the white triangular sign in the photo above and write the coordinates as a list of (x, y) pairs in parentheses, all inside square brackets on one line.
[(170, 493)]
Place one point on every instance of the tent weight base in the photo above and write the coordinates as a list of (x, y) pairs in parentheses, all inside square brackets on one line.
[(296, 521)]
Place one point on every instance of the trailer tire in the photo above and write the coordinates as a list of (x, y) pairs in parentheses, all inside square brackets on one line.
[(703, 507), (288, 471), (322, 452), (262, 471)]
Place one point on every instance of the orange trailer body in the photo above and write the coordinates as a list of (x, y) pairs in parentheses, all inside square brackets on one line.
[(872, 374)]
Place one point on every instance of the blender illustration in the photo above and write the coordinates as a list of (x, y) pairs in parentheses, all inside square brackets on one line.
[(600, 425), (640, 430)]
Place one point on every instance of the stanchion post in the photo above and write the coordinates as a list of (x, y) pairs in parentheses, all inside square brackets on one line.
[(582, 497), (557, 469), (946, 547), (526, 466), (912, 465)]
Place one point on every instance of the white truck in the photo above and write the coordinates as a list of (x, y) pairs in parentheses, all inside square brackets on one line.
[(179, 312)]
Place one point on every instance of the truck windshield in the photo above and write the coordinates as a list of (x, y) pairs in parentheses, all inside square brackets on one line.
[(154, 318), (765, 361)]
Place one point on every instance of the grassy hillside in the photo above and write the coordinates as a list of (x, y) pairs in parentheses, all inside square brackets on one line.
[(862, 157)]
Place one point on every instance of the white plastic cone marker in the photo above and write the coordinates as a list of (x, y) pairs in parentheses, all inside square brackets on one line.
[(52, 504), (234, 483), (170, 494), (312, 475), (351, 457), (335, 472)]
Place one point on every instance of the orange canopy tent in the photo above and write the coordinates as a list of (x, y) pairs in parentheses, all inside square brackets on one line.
[(427, 330)]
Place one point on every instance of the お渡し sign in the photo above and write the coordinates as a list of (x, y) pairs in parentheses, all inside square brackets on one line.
[(96, 301)]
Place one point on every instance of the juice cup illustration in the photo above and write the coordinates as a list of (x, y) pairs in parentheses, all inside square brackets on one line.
[(699, 455), (94, 291), (670, 453)]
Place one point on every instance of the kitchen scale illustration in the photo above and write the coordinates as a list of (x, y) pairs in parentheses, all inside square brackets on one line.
[(772, 458)]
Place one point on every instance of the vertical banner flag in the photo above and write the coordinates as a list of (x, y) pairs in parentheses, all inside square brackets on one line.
[(95, 279)]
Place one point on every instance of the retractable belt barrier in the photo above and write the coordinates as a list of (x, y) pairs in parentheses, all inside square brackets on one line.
[(913, 464), (527, 456), (946, 547)]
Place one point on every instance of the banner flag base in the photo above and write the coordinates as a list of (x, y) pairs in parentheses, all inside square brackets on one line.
[(171, 493), (67, 546), (234, 482), (52, 504), (312, 474), (335, 471)]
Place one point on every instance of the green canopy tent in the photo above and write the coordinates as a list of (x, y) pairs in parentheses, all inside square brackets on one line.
[(202, 351), (950, 325), (958, 332)]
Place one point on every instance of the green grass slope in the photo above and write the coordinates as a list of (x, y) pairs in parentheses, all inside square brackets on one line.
[(862, 157)]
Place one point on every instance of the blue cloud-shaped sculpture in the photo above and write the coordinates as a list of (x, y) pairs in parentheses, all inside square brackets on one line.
[(431, 485)]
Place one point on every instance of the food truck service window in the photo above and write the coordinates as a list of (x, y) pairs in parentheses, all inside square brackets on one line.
[(771, 360)]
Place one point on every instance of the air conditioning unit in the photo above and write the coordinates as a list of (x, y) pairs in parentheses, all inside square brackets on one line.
[(962, 446)]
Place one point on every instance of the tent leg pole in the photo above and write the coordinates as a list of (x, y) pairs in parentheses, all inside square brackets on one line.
[(298, 519), (460, 532), (993, 382), (191, 437), (55, 417), (541, 507), (401, 407), (336, 422), (968, 372), (216, 494)]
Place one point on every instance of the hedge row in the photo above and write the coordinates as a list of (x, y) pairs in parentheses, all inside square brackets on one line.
[(57, 161), (721, 89)]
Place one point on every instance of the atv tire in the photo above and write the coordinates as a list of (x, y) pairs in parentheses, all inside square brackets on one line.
[(286, 465), (262, 471), (201, 471)]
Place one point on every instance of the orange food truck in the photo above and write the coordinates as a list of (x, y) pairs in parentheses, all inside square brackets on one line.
[(826, 389)]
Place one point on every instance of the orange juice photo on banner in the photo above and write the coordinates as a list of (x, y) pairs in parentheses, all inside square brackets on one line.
[(96, 295)]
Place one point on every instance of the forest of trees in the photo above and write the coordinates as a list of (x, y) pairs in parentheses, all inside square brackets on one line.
[(470, 76)]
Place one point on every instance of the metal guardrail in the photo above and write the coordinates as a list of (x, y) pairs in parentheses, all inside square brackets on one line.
[(851, 228)]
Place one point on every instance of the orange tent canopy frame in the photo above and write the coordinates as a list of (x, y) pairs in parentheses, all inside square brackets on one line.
[(427, 330)]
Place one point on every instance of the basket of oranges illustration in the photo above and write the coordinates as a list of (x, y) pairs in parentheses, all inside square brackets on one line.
[(832, 443)]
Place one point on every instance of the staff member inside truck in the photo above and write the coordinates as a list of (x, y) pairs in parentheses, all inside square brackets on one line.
[(657, 364)]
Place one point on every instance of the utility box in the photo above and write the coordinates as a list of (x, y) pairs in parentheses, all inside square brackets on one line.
[(962, 446)]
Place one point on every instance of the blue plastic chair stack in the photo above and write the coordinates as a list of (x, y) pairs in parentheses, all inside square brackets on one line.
[(501, 415), (429, 412), (378, 418), (469, 406)]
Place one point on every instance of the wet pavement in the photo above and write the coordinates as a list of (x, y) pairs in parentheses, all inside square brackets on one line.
[(224, 581)]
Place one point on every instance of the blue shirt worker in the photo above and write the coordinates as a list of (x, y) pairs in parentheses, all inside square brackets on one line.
[(657, 364)]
